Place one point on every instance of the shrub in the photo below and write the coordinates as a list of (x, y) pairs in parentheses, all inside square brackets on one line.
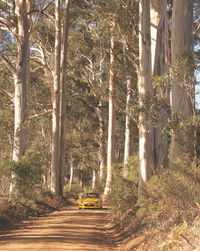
[(6, 168), (171, 197), (123, 196), (72, 191), (28, 172)]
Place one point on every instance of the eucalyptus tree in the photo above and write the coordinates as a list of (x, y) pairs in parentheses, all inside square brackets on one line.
[(92, 54), (56, 102), (183, 107), (16, 20), (62, 131), (19, 26), (127, 30), (59, 98), (49, 52), (110, 144), (159, 37), (110, 20), (145, 88)]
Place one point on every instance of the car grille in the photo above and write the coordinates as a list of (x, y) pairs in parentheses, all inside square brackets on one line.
[(89, 205)]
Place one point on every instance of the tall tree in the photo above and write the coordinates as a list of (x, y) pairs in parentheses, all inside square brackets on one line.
[(101, 141), (158, 37), (183, 109), (56, 103), (110, 143), (21, 78), (19, 11), (127, 127), (146, 142), (62, 137)]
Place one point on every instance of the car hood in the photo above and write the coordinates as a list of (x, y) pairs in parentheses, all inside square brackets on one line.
[(90, 199)]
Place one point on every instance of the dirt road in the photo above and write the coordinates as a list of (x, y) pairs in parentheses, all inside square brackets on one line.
[(69, 229)]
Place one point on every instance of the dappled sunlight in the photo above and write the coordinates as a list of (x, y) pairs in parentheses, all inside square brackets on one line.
[(65, 230)]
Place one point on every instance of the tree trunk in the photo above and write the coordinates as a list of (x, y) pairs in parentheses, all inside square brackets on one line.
[(62, 137), (183, 105), (56, 104), (158, 14), (71, 173), (21, 80), (127, 127), (21, 75), (94, 180), (110, 122), (101, 143), (146, 142)]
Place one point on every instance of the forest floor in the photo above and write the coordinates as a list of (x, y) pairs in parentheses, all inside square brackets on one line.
[(67, 229)]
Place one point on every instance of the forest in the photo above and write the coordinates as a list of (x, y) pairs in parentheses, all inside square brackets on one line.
[(102, 95)]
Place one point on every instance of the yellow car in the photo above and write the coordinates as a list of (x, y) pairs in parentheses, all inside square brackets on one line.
[(90, 200)]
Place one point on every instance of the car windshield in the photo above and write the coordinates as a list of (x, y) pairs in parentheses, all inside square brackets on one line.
[(90, 195)]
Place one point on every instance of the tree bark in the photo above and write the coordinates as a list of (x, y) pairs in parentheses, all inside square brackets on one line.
[(101, 143), (183, 105), (94, 180), (146, 142), (158, 17), (21, 80), (71, 172), (110, 122), (21, 76), (127, 127), (56, 104), (62, 137)]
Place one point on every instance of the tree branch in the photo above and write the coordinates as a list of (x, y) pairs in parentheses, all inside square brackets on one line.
[(8, 94), (40, 114), (8, 64)]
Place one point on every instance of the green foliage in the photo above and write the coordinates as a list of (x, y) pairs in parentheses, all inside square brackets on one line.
[(28, 172), (6, 168), (123, 196), (184, 71), (156, 106), (168, 210), (72, 191), (171, 197), (123, 199)]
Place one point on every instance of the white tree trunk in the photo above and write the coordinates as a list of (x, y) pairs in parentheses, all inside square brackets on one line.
[(21, 80), (127, 127), (110, 123), (56, 105), (62, 137), (94, 180), (146, 142), (183, 140), (101, 143), (158, 17), (71, 173)]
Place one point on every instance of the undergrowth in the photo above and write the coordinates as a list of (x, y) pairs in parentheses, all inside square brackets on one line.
[(13, 211), (28, 196), (168, 212)]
